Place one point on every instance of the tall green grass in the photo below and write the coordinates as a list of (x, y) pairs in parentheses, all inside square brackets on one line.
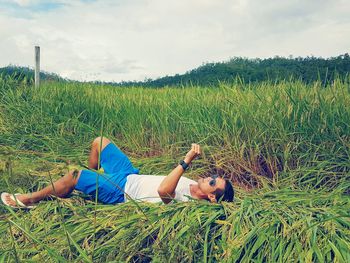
[(285, 146), (246, 131)]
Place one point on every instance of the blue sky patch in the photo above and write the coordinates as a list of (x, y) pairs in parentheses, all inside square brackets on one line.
[(26, 11)]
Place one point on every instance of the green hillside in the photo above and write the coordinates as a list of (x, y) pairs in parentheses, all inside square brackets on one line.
[(305, 69), (277, 69), (26, 74)]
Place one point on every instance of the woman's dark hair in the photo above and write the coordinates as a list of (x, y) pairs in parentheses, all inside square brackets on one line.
[(227, 195)]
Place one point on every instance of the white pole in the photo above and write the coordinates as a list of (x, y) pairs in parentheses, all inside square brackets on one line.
[(37, 66)]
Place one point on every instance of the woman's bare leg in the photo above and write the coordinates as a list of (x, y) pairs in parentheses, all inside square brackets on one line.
[(65, 185), (95, 150), (61, 188)]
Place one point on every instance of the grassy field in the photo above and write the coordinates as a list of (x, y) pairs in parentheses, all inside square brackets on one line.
[(286, 148)]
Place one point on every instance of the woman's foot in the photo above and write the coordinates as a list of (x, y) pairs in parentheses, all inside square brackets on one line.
[(10, 199)]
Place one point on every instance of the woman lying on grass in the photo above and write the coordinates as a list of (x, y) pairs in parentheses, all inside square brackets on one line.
[(121, 180)]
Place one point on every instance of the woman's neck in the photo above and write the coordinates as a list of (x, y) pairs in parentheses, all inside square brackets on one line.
[(197, 193)]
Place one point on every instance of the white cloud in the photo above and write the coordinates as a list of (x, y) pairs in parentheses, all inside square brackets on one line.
[(134, 39)]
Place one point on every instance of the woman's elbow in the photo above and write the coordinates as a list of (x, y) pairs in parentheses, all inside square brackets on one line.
[(161, 191)]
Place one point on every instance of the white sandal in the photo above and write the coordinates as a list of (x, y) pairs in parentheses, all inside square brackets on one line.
[(19, 205)]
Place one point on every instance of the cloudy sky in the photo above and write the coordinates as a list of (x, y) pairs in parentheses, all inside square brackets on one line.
[(115, 40)]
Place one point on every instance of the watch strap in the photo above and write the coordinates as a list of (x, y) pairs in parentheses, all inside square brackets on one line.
[(184, 165)]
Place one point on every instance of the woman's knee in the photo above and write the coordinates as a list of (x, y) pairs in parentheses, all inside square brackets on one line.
[(100, 141)]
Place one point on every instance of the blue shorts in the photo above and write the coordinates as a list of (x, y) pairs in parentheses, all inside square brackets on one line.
[(111, 183)]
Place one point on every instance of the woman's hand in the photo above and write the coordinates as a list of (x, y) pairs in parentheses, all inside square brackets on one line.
[(193, 153)]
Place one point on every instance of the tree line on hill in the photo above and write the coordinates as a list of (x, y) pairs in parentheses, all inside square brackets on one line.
[(307, 70), (26, 74)]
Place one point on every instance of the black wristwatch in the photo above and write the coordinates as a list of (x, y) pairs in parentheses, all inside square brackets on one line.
[(184, 165)]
